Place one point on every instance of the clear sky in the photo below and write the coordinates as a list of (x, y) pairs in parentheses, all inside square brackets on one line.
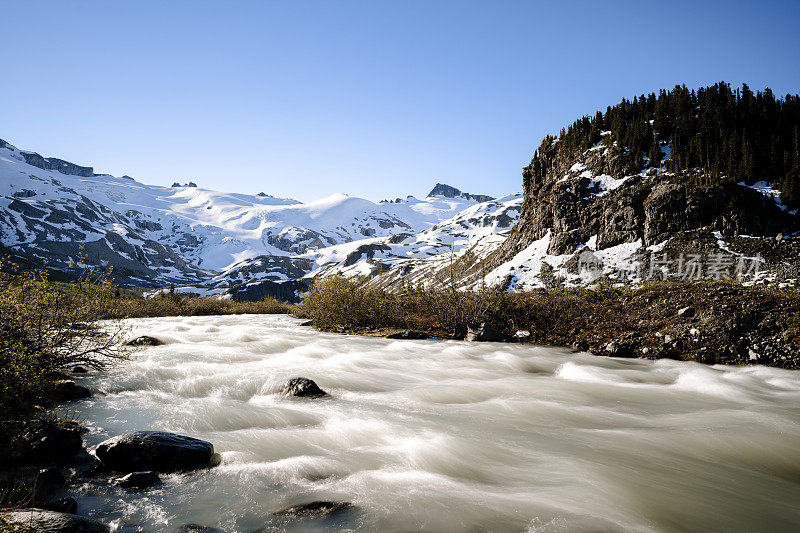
[(376, 99)]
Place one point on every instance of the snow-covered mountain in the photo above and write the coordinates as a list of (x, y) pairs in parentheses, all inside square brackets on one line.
[(50, 209)]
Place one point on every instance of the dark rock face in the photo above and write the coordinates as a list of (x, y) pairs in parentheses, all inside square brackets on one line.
[(408, 334), (145, 340), (302, 387), (64, 505), (560, 200), (687, 312), (66, 390), (483, 332), (43, 521), (317, 508), (441, 189), (52, 163), (138, 480), (154, 450)]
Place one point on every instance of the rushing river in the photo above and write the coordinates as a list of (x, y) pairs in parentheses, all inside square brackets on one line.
[(447, 436)]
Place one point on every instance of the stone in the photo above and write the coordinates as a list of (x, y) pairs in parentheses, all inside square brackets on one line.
[(408, 334), (316, 508), (483, 332), (66, 390), (620, 349), (145, 340), (43, 521), (154, 450), (45, 442), (79, 370), (302, 387), (138, 480), (63, 505), (49, 479), (687, 312), (197, 528)]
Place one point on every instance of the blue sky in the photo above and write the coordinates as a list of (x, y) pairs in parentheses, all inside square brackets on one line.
[(374, 99)]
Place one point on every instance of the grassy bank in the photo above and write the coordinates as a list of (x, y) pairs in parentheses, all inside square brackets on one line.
[(724, 323)]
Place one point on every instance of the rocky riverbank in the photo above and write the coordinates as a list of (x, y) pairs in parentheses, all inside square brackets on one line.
[(708, 322)]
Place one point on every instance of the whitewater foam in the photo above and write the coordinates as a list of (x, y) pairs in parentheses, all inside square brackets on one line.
[(446, 435)]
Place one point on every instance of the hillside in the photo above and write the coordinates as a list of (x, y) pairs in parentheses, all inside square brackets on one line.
[(629, 184)]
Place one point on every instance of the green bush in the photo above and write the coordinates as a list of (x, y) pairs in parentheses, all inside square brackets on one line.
[(47, 326), (337, 301)]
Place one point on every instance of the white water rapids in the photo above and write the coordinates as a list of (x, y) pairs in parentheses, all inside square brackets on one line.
[(446, 436)]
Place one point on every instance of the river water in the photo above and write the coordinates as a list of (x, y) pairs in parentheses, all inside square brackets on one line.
[(446, 436)]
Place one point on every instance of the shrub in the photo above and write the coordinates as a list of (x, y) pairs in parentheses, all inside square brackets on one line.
[(337, 301), (46, 326)]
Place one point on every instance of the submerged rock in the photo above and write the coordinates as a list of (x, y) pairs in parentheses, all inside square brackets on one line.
[(145, 340), (316, 508), (483, 332), (155, 450), (138, 480), (408, 334), (302, 387), (197, 528), (43, 521)]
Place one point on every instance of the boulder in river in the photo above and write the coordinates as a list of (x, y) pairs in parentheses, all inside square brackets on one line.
[(138, 480), (155, 450), (43, 521), (63, 505), (483, 332), (408, 334), (66, 390), (316, 508), (302, 387), (145, 340), (197, 528)]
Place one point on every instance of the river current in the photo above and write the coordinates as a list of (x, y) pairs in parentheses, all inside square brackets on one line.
[(445, 436)]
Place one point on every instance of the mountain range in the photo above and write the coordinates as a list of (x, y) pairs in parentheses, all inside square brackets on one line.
[(201, 240)]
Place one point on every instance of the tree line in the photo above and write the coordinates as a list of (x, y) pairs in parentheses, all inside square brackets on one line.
[(721, 133)]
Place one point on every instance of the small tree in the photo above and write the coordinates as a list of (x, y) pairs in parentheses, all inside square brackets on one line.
[(47, 326)]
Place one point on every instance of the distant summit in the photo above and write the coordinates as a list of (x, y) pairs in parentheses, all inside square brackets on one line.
[(448, 191)]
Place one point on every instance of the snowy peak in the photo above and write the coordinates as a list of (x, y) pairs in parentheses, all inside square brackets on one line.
[(448, 191), (153, 235)]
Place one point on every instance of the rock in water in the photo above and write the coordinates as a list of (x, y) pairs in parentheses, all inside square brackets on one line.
[(318, 508), (302, 387), (483, 332), (155, 450), (145, 340), (138, 480), (197, 528), (408, 334), (66, 390), (64, 505), (43, 521)]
